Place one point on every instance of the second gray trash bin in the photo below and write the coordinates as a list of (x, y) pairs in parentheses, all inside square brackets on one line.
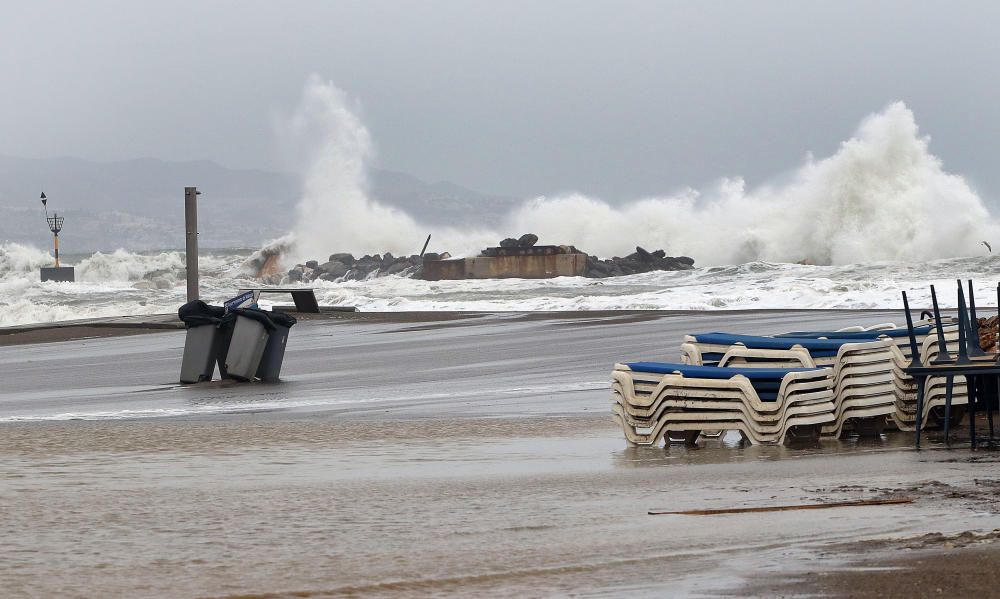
[(250, 333)]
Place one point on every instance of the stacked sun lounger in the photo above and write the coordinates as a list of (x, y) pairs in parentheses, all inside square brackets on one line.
[(936, 387), (898, 335), (865, 371), (904, 417), (654, 401)]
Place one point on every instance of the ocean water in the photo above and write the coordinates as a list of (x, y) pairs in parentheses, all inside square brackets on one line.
[(121, 282), (879, 215)]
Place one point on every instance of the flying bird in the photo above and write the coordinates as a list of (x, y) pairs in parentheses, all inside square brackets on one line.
[(987, 246)]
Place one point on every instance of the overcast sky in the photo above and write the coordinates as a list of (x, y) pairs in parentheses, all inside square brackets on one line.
[(617, 99)]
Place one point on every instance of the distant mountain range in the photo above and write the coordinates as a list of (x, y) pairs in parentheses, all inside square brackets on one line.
[(139, 204)]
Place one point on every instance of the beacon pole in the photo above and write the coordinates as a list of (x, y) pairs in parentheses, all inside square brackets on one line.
[(55, 225), (191, 247)]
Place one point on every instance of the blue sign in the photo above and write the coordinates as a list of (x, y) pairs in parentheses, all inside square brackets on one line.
[(239, 301)]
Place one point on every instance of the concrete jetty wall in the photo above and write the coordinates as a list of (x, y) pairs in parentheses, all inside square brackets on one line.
[(532, 266)]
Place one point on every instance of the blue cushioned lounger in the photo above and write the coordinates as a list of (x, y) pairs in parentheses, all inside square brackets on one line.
[(715, 372), (818, 348), (900, 332), (765, 381)]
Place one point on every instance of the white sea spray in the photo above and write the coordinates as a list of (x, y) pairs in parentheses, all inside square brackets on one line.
[(881, 196)]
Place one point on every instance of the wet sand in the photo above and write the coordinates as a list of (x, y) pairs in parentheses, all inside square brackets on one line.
[(934, 565), (471, 456)]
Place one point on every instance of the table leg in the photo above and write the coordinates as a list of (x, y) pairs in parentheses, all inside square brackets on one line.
[(920, 407)]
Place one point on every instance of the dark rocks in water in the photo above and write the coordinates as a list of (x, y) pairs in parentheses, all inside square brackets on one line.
[(332, 270), (396, 268), (597, 268), (345, 267), (526, 241), (638, 262)]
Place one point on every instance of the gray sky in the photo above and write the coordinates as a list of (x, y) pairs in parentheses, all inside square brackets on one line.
[(617, 99)]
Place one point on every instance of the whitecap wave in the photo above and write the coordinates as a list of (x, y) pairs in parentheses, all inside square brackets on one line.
[(131, 289)]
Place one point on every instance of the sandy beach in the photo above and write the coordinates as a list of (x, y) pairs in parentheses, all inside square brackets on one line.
[(449, 455)]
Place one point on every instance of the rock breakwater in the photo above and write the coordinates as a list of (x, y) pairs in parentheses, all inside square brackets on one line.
[(344, 266)]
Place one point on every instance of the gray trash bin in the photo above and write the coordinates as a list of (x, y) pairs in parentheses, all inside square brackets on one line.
[(198, 363), (201, 342), (246, 346), (269, 369)]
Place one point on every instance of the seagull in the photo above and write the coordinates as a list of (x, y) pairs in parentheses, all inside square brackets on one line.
[(987, 246)]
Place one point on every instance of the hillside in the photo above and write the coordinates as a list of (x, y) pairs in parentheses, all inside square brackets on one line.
[(138, 204)]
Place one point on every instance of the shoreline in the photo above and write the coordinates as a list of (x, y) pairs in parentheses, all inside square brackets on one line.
[(126, 325)]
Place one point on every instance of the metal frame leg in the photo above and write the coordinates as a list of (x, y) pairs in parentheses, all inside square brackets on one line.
[(970, 384), (920, 407), (990, 395), (949, 388)]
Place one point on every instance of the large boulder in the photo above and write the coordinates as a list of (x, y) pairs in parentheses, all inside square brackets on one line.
[(313, 264), (345, 259), (510, 242), (527, 240)]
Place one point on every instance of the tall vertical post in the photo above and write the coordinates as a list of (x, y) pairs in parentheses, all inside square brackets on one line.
[(191, 246), (55, 241)]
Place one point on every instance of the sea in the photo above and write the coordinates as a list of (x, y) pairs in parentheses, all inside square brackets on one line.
[(879, 216), (122, 282)]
